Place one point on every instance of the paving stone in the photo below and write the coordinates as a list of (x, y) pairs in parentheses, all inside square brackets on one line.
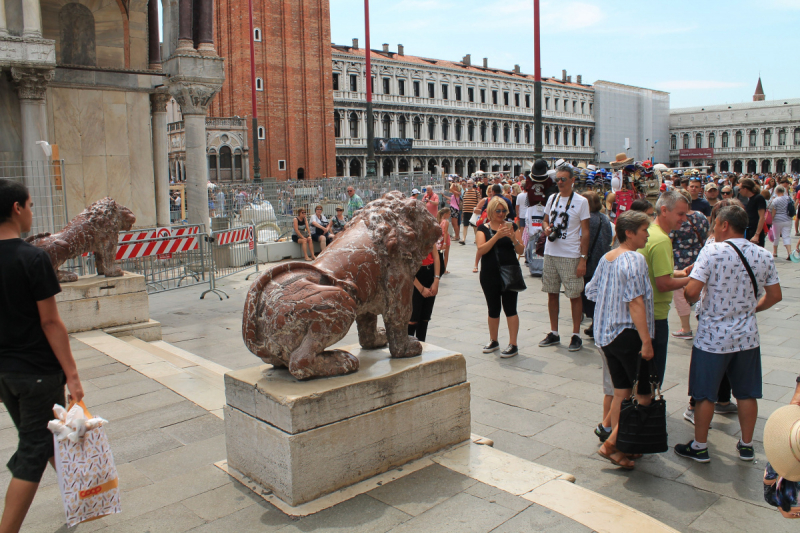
[(222, 501), (525, 397), (524, 447), (361, 514), (121, 392), (495, 495), (133, 447), (258, 518), (578, 438), (174, 518), (727, 476), (417, 492), (578, 411), (734, 516), (463, 513), (179, 459), (537, 518), (115, 379), (509, 418), (102, 371), (155, 418), (196, 429)]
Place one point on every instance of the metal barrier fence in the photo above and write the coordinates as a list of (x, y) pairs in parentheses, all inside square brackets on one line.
[(271, 205), (231, 251)]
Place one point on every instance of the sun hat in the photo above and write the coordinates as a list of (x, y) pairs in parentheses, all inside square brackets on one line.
[(782, 441), (621, 160), (414, 191)]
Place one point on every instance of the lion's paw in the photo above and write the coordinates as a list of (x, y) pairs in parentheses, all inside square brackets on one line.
[(65, 276), (413, 349)]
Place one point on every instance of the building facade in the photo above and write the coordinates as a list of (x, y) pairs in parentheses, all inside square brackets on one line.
[(759, 136), (293, 82), (461, 117)]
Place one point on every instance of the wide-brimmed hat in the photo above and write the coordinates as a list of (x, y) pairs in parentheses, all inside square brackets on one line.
[(782, 441), (539, 169), (621, 160)]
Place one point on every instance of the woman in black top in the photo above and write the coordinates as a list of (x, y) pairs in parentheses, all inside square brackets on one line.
[(499, 244), (756, 211)]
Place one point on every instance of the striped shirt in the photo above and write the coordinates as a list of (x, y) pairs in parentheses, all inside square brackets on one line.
[(469, 200), (614, 285)]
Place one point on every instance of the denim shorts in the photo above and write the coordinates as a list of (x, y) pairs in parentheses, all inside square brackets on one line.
[(707, 369), (29, 400)]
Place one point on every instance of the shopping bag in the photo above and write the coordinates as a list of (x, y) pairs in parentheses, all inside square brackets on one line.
[(87, 475)]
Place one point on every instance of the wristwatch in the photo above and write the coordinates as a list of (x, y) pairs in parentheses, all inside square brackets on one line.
[(438, 277), (583, 256)]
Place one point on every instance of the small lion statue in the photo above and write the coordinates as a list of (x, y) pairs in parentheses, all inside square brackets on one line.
[(96, 230), (294, 311)]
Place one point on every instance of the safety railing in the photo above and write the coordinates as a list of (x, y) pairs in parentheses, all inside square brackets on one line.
[(232, 250)]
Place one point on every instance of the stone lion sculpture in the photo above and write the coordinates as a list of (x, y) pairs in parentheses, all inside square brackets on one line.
[(296, 310), (96, 230)]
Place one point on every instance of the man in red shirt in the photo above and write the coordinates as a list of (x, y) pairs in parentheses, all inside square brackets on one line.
[(431, 200)]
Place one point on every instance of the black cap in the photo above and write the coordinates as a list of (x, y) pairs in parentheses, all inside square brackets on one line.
[(539, 169)]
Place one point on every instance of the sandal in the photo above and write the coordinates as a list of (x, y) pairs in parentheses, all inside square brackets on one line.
[(624, 462)]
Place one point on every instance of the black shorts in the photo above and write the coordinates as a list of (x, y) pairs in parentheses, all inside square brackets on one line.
[(622, 356), (295, 238), (315, 237), (29, 400)]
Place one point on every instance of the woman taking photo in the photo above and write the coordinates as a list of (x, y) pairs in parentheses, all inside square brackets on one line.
[(302, 234), (499, 245), (426, 286), (322, 228), (624, 310)]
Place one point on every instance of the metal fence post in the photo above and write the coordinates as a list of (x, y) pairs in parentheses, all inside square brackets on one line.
[(212, 270), (255, 252)]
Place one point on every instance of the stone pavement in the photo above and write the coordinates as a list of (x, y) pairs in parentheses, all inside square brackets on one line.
[(543, 404)]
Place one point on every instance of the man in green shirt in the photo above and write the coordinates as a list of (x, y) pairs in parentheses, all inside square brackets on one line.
[(671, 210)]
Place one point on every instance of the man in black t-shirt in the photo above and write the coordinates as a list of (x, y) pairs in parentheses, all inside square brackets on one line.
[(483, 185), (698, 202), (35, 357), (756, 211)]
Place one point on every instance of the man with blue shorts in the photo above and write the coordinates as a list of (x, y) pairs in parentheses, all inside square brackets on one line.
[(733, 279)]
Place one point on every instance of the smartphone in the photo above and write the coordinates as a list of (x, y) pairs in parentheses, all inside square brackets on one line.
[(510, 225)]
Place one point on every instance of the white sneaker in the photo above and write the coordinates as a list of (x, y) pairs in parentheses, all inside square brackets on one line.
[(689, 415)]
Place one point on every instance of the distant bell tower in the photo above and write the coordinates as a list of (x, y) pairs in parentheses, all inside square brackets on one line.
[(759, 94)]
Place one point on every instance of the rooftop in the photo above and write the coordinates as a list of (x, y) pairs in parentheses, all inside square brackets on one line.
[(737, 106)]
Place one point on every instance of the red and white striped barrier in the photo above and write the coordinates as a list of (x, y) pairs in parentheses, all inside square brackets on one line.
[(234, 236), (142, 244)]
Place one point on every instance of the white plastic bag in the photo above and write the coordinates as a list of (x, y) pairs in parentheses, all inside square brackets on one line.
[(87, 475)]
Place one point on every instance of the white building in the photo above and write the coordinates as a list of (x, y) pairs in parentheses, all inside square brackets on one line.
[(758, 136), (461, 117)]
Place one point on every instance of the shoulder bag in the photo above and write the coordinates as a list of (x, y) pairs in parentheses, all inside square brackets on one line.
[(510, 275), (643, 428), (790, 209), (746, 267), (540, 242)]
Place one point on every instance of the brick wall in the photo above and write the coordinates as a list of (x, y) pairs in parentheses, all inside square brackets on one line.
[(294, 60)]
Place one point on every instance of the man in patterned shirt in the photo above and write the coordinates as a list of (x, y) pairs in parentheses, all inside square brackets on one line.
[(354, 203), (727, 338)]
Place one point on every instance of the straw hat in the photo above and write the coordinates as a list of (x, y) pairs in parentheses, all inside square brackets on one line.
[(782, 441), (621, 160)]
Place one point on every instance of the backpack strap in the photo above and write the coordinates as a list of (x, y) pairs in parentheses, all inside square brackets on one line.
[(747, 267)]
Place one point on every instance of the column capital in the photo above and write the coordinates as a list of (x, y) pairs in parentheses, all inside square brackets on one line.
[(159, 100), (32, 82), (194, 98)]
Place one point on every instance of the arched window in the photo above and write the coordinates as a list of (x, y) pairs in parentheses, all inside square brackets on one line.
[(547, 135), (387, 126), (483, 131), (753, 137), (738, 139), (796, 137), (259, 84), (445, 129), (556, 135), (527, 134), (574, 137), (583, 137), (782, 137), (417, 128), (301, 173), (767, 137), (698, 140), (261, 133), (225, 159), (337, 124), (212, 165), (673, 143), (494, 132), (712, 140), (402, 126), (724, 139), (257, 34), (516, 133), (237, 164), (458, 129), (76, 25), (431, 129), (565, 135), (506, 133), (685, 141), (353, 125), (470, 131)]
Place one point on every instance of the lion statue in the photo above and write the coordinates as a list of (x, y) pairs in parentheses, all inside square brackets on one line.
[(296, 310), (96, 230)]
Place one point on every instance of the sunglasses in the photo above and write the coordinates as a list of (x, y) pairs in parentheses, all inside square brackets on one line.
[(501, 211), (727, 192), (562, 180)]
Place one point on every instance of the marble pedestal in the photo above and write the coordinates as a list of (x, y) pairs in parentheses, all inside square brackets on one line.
[(118, 306), (305, 439)]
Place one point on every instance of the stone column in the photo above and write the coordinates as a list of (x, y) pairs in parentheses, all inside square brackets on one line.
[(31, 19), (194, 99), (3, 23), (185, 40), (152, 35), (158, 110), (205, 31)]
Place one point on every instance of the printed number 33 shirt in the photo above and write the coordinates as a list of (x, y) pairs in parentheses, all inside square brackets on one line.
[(726, 312)]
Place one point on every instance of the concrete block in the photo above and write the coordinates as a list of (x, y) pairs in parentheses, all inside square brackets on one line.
[(305, 439), (276, 397), (97, 302), (302, 467)]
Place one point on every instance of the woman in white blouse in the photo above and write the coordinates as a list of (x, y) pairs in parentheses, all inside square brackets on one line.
[(623, 324)]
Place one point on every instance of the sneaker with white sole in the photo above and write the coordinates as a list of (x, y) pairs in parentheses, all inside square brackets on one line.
[(550, 340), (686, 450), (726, 409), (576, 343), (511, 351), (746, 453), (680, 334), (493, 346), (688, 414)]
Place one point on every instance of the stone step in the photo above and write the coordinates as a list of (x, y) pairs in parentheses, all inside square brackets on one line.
[(195, 379)]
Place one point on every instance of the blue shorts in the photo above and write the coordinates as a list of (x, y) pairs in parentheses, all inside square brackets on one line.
[(707, 369)]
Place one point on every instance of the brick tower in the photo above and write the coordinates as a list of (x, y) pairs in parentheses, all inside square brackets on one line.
[(758, 96), (295, 91)]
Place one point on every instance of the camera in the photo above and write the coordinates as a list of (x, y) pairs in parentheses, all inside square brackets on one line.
[(560, 228)]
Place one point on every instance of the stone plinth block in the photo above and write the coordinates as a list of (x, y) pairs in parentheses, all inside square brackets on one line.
[(97, 302), (304, 439)]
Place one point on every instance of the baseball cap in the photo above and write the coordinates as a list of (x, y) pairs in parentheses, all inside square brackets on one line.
[(414, 191), (710, 186)]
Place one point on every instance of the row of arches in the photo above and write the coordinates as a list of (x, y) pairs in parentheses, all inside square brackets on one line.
[(459, 129), (753, 166), (463, 166), (225, 165), (753, 137)]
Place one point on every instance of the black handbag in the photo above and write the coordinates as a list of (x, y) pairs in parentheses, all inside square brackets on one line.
[(510, 275), (643, 428)]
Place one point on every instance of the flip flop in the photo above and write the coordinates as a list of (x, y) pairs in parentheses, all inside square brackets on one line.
[(617, 463)]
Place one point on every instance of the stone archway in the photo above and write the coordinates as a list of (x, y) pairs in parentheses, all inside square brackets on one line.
[(723, 166), (459, 167), (355, 167), (795, 165), (402, 165), (470, 167), (738, 166), (446, 166), (431, 165), (780, 166), (484, 165), (751, 166), (387, 165)]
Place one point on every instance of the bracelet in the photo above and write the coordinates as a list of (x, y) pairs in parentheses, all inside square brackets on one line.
[(438, 277)]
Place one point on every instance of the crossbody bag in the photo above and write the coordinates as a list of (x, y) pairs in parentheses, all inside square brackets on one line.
[(746, 267)]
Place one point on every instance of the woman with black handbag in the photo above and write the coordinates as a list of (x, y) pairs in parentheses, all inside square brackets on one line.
[(624, 321), (499, 244)]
